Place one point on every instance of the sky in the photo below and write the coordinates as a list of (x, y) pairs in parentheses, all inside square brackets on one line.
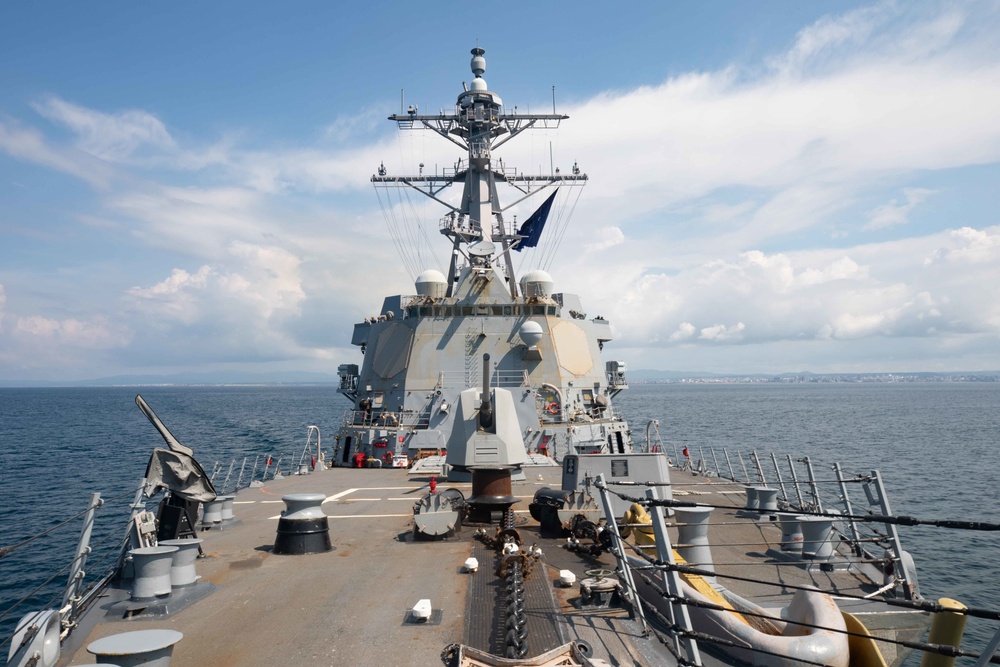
[(773, 186)]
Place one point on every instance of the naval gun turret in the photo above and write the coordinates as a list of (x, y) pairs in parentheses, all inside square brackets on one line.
[(486, 442)]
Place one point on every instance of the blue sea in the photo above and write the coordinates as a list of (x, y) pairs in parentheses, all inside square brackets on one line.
[(936, 445)]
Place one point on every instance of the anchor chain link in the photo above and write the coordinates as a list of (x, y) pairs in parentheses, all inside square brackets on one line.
[(516, 623)]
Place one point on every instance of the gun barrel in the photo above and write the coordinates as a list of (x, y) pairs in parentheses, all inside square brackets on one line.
[(486, 407)]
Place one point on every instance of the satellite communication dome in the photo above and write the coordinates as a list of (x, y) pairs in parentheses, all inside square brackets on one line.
[(530, 333), (431, 283), (536, 283)]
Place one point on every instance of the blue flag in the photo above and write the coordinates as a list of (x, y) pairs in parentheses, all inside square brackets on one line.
[(531, 230)]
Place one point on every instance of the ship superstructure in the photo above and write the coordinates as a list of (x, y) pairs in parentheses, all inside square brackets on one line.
[(422, 350)]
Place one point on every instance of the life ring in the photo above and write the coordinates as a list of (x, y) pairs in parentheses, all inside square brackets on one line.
[(553, 408), (387, 457)]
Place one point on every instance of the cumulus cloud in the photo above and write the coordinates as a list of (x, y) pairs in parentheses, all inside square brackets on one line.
[(968, 246), (175, 297), (685, 331), (723, 333), (919, 287), (97, 333), (265, 282)]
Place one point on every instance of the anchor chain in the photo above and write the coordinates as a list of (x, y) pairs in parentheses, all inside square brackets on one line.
[(516, 623), (513, 566)]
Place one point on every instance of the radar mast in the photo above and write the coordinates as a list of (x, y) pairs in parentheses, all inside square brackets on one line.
[(479, 124)]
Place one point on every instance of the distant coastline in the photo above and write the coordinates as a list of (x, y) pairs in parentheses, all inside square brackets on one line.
[(820, 378), (636, 377)]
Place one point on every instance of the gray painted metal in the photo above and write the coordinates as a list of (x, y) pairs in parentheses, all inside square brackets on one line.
[(152, 571), (151, 648), (634, 467), (422, 350), (182, 567)]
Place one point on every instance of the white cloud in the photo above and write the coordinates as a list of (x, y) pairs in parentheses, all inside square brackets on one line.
[(114, 137), (685, 331), (606, 237), (684, 224), (28, 144), (93, 334), (894, 213), (262, 281), (876, 96), (175, 298), (274, 282), (968, 246), (723, 333)]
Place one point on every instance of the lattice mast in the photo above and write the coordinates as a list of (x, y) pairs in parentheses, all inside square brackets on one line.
[(479, 124)]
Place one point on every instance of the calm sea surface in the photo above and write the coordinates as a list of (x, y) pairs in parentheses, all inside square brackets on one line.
[(936, 445)]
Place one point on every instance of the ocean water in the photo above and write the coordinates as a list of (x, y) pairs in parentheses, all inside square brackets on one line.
[(936, 445)]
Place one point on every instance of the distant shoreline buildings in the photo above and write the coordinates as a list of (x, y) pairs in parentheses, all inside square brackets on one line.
[(822, 378)]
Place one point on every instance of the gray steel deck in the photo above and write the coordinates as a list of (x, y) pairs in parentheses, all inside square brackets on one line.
[(349, 606)]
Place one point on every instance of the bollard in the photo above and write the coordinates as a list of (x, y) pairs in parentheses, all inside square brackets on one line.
[(149, 648), (753, 502), (303, 527), (946, 628), (817, 532), (791, 532), (211, 514), (767, 500), (692, 532), (182, 570), (227, 508), (152, 572)]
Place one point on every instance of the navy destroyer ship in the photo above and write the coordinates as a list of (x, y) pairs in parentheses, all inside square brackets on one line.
[(559, 540), (422, 350)]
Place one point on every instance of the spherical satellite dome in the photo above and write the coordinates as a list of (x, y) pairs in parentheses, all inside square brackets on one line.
[(431, 283), (478, 85), (536, 283), (530, 333)]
